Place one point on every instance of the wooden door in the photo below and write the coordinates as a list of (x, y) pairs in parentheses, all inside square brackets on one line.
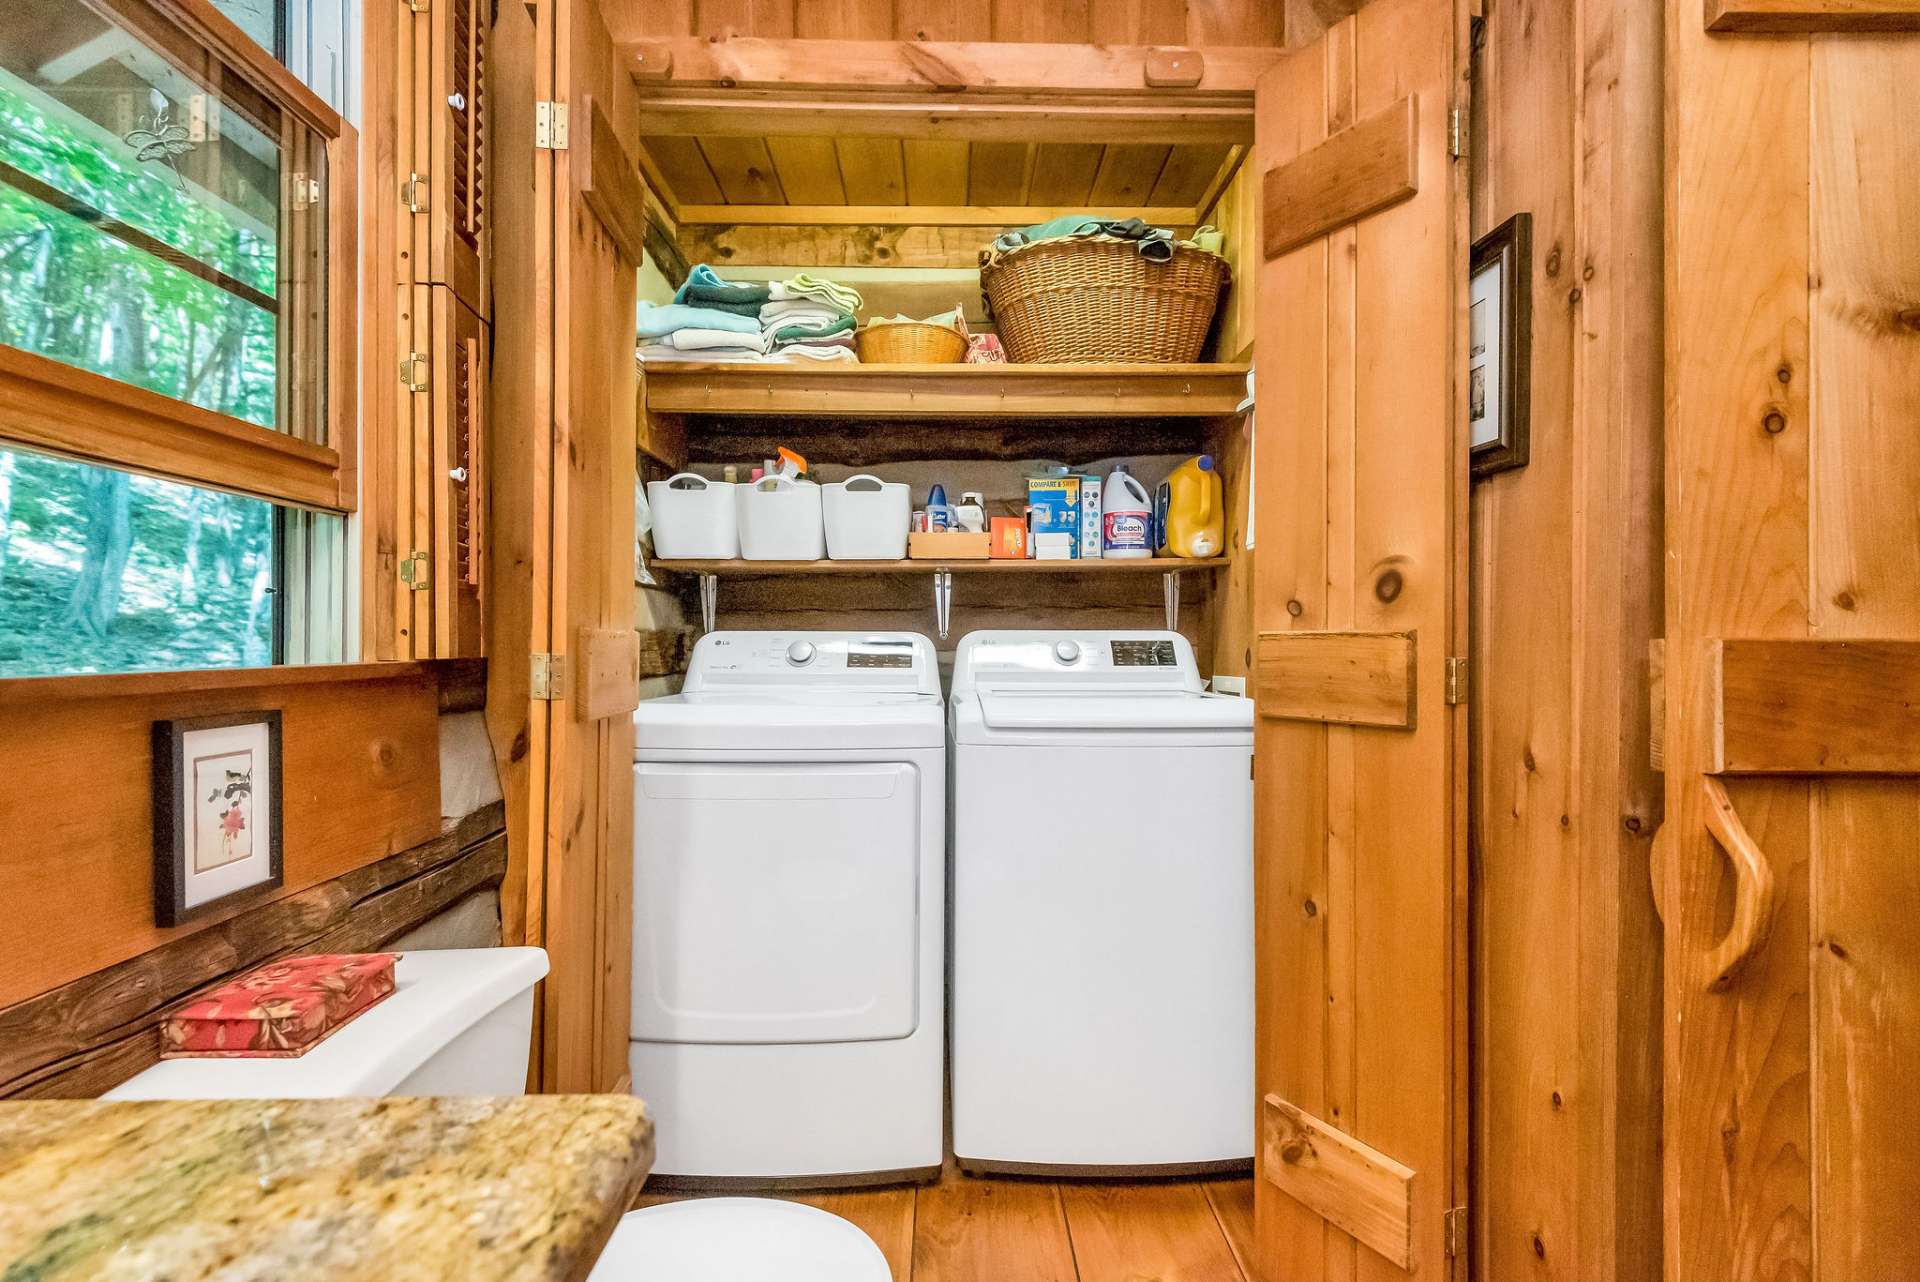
[(1359, 824), (1787, 870), (560, 593)]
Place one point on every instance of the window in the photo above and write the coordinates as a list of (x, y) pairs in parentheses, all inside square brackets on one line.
[(165, 229), (176, 342), (264, 20)]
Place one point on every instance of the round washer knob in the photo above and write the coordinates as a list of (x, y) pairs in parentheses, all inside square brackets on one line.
[(800, 653), (1066, 651)]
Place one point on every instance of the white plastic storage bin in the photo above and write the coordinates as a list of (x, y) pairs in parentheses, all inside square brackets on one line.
[(866, 519), (780, 520), (694, 519)]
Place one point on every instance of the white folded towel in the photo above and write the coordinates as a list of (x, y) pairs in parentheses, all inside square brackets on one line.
[(693, 340), (660, 353), (799, 312), (798, 352)]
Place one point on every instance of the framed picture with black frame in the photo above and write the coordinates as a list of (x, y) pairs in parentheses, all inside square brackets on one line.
[(1500, 347), (216, 812)]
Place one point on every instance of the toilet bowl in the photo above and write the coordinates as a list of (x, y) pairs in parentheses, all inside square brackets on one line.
[(460, 1022), (738, 1239)]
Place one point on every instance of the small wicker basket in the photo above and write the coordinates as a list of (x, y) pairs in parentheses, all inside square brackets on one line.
[(1078, 301), (909, 343)]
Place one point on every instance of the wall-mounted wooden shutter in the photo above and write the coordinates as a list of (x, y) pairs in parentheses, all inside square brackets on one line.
[(1360, 755), (439, 192)]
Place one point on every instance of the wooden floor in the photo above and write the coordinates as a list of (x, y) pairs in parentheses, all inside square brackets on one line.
[(965, 1229)]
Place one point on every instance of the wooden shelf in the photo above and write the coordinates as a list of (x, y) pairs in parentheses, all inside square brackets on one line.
[(1164, 565), (948, 391)]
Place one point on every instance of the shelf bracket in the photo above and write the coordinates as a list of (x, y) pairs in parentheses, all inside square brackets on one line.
[(709, 600), (1170, 592), (942, 600)]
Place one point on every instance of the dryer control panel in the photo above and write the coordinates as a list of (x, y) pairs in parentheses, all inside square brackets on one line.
[(902, 662)]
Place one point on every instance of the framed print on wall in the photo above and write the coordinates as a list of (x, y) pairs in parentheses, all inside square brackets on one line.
[(1500, 347), (216, 812)]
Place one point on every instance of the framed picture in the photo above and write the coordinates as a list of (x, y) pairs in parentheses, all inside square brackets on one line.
[(1500, 347), (216, 812)]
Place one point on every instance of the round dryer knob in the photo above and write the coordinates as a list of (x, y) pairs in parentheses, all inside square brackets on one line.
[(800, 653), (1066, 651)]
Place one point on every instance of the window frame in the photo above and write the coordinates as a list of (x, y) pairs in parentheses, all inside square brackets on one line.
[(56, 408)]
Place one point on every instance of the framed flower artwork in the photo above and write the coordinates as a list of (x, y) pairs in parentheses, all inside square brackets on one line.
[(216, 812)]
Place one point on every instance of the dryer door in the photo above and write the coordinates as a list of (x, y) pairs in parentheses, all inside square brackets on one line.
[(775, 902)]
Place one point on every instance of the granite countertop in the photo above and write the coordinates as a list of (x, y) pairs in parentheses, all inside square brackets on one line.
[(346, 1190)]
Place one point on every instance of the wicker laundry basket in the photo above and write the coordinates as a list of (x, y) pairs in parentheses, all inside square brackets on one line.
[(1080, 301), (910, 343)]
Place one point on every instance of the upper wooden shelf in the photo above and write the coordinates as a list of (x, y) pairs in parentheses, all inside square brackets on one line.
[(744, 131), (948, 391)]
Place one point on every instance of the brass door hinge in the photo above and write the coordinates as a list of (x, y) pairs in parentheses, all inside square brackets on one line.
[(415, 372), (413, 193), (1456, 1232), (414, 571), (418, 6), (550, 126), (305, 191), (1457, 133), (549, 676), (1456, 681)]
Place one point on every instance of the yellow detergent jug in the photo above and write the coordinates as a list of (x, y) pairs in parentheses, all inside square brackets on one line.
[(1189, 511)]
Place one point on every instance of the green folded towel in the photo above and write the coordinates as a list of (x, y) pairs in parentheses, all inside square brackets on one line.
[(794, 333)]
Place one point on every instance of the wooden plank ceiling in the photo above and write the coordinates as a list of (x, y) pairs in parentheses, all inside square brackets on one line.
[(911, 172)]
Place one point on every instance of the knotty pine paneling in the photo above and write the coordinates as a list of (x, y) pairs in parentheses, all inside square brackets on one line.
[(360, 775)]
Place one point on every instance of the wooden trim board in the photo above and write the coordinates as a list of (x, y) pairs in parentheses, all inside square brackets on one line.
[(1814, 707), (731, 61), (1357, 1189), (1344, 678), (607, 683), (995, 216), (930, 391), (1357, 171), (610, 183), (1752, 16), (1154, 116), (76, 413)]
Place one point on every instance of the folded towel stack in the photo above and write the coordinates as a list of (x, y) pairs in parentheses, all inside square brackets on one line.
[(713, 319)]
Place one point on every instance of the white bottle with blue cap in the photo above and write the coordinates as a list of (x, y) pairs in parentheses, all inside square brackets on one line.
[(1126, 515)]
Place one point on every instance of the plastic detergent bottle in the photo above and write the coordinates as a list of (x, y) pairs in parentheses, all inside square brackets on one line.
[(1125, 513), (1189, 510), (939, 514)]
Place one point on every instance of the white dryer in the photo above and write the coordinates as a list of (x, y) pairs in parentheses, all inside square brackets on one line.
[(789, 909), (1102, 907)]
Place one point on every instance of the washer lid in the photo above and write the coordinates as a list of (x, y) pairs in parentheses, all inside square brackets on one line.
[(738, 1239), (1031, 709)]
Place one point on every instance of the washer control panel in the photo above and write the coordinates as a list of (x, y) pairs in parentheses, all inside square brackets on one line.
[(1105, 661), (1144, 654)]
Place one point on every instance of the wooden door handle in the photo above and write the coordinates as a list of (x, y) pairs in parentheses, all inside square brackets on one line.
[(1753, 888)]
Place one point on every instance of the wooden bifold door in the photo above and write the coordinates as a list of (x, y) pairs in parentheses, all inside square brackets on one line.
[(1359, 822), (1788, 868)]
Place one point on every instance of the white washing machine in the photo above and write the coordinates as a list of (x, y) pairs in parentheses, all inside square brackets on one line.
[(1102, 987), (789, 910)]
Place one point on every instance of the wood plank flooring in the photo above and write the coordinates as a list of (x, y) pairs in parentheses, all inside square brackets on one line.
[(965, 1229)]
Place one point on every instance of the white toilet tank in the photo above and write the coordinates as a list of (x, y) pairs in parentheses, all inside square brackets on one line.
[(459, 1022)]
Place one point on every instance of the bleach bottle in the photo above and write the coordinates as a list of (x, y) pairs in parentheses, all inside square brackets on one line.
[(1126, 516)]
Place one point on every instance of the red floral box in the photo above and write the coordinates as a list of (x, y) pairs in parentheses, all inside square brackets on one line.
[(281, 1010)]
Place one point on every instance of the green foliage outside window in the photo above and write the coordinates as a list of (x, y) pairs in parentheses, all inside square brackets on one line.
[(103, 571)]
